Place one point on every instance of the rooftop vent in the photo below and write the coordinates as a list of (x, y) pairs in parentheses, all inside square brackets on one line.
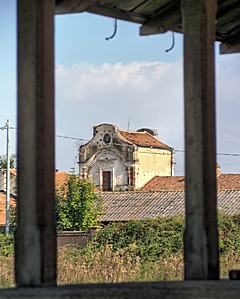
[(150, 131)]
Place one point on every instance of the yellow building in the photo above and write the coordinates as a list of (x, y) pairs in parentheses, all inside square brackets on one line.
[(124, 160)]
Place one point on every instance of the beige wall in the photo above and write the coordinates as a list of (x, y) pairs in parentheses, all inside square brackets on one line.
[(152, 162)]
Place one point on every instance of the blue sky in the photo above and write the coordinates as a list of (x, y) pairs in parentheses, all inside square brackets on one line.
[(111, 81)]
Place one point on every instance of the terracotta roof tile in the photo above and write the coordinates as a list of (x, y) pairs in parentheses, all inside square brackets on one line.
[(177, 183), (61, 178), (229, 182), (13, 171), (124, 206), (143, 139), (165, 183), (3, 207)]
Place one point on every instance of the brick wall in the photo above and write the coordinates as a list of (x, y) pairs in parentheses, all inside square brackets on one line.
[(78, 238)]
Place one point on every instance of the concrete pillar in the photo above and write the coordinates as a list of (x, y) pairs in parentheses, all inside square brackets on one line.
[(35, 261), (201, 235)]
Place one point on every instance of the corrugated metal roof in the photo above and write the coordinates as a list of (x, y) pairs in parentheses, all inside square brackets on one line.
[(124, 206)]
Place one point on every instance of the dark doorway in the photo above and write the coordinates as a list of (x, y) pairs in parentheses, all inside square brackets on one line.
[(107, 182)]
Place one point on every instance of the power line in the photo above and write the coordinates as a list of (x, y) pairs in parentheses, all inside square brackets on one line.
[(127, 145), (60, 136), (72, 138), (228, 154)]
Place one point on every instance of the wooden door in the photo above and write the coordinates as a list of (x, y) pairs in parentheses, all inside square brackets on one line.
[(107, 181)]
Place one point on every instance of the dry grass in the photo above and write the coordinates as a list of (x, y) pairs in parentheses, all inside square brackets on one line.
[(102, 266), (6, 272), (108, 266), (229, 262), (165, 268)]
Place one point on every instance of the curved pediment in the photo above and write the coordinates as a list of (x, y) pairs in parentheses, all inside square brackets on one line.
[(106, 137)]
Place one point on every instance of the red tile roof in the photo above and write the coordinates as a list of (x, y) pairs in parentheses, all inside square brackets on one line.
[(61, 179), (229, 182), (165, 183), (177, 183), (13, 171), (143, 139), (3, 207)]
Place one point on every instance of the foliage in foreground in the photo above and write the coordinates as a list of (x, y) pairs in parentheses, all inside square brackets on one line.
[(148, 239), (133, 251), (6, 244), (106, 265), (151, 239), (77, 205), (3, 162)]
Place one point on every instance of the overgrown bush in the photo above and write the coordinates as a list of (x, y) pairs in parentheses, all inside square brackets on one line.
[(161, 237), (132, 251), (149, 239), (229, 234), (6, 244)]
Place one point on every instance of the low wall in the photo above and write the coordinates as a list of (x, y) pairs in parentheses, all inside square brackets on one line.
[(78, 238)]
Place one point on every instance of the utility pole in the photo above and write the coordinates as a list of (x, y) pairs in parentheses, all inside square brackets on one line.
[(7, 179)]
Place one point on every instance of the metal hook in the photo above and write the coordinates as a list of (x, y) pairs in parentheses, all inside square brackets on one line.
[(173, 43), (114, 32)]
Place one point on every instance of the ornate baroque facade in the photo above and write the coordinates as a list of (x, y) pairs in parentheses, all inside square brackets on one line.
[(123, 160)]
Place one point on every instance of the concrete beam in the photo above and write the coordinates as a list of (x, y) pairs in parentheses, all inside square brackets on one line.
[(35, 254), (231, 46), (201, 234), (163, 22), (63, 6), (91, 6), (144, 290)]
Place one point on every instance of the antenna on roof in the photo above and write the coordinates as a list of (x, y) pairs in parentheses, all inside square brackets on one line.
[(129, 121)]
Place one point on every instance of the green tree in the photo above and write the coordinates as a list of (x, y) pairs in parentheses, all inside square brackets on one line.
[(3, 162), (77, 205)]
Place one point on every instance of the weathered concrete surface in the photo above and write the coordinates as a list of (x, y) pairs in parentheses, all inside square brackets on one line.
[(201, 237), (163, 290), (36, 237)]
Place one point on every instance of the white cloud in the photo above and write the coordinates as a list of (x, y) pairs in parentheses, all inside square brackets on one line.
[(88, 83), (149, 93)]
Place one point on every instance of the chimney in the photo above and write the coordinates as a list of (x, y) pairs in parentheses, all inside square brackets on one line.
[(153, 132)]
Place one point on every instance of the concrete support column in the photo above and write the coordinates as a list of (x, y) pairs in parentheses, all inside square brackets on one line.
[(35, 261), (201, 234)]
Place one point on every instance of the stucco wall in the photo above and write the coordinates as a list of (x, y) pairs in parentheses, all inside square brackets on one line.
[(109, 161), (126, 162), (152, 162)]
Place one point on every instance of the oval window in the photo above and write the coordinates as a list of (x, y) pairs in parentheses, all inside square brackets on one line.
[(107, 138)]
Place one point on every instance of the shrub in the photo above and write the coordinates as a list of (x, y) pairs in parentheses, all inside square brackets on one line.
[(229, 234), (6, 244), (149, 239), (77, 205)]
